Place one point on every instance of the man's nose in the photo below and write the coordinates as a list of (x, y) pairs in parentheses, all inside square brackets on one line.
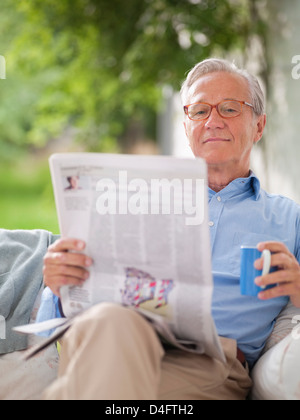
[(215, 120)]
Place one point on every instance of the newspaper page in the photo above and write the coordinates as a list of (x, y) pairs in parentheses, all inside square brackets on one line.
[(145, 222)]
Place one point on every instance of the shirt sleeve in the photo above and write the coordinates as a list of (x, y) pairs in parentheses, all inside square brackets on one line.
[(49, 309)]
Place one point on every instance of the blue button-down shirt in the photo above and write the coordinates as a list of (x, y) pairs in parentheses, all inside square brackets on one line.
[(240, 214), (244, 214)]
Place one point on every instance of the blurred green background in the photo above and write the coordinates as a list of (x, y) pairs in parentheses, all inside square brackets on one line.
[(88, 75)]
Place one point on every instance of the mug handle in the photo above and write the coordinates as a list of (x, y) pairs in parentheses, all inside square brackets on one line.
[(266, 255)]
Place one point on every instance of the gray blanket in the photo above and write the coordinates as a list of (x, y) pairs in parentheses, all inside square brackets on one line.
[(21, 277)]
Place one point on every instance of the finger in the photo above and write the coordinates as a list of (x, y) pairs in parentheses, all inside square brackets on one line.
[(273, 246), (284, 289), (56, 282), (280, 259), (67, 258), (66, 271), (67, 244), (279, 276), (57, 276)]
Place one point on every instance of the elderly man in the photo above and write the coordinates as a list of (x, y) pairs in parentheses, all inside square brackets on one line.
[(113, 353)]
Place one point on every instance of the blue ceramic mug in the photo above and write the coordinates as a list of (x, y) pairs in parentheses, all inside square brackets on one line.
[(249, 273)]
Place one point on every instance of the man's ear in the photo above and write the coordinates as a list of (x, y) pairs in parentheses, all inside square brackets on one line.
[(260, 127)]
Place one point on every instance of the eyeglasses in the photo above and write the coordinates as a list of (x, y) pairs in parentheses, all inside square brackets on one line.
[(226, 109)]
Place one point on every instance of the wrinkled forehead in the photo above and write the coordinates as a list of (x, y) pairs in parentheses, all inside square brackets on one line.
[(216, 87)]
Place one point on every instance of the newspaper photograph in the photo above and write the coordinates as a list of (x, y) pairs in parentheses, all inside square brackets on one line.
[(145, 222)]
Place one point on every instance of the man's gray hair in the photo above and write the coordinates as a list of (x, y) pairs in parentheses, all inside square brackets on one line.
[(213, 65)]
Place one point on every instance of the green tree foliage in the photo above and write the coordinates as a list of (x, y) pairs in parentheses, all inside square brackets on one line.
[(98, 65)]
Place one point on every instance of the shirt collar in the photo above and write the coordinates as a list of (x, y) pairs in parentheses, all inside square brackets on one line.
[(238, 186)]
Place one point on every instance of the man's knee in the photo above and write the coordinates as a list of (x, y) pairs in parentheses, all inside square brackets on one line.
[(114, 319), (110, 313), (122, 344)]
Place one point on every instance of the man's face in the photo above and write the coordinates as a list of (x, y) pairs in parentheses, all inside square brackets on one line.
[(223, 140), (74, 182)]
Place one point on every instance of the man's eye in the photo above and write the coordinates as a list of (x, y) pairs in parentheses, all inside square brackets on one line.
[(230, 111)]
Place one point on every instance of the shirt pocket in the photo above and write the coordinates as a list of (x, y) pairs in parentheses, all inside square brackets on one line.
[(6, 294), (246, 239)]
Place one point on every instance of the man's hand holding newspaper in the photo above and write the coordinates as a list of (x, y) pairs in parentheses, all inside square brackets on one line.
[(65, 265)]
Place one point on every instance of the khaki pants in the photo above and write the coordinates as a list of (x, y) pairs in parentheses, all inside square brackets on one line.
[(113, 353)]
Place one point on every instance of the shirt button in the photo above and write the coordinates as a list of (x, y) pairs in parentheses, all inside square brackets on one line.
[(219, 198), (210, 224)]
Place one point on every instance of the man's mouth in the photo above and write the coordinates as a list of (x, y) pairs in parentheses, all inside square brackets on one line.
[(215, 140)]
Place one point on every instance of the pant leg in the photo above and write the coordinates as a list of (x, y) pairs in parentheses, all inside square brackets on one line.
[(112, 353), (109, 353), (188, 376)]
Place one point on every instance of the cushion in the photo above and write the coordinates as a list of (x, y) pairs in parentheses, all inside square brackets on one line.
[(276, 375), (284, 325), (20, 380)]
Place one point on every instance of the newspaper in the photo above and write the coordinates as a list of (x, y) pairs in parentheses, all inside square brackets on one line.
[(145, 222)]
